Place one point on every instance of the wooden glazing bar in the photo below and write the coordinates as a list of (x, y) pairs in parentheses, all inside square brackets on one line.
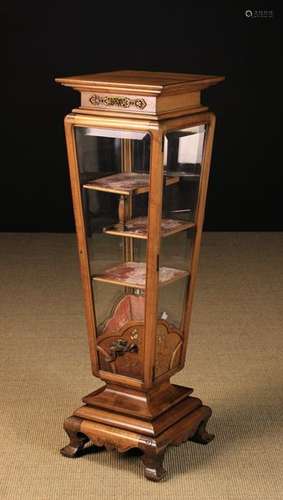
[(82, 243), (199, 218), (153, 251)]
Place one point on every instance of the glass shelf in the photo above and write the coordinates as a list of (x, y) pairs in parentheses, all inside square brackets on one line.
[(133, 274), (125, 183), (138, 227)]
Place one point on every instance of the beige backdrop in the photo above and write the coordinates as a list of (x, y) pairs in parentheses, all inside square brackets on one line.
[(235, 365)]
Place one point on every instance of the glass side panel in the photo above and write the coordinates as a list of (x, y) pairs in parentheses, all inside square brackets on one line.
[(183, 153), (114, 177)]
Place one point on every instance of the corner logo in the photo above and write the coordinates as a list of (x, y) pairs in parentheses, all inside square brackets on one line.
[(259, 14)]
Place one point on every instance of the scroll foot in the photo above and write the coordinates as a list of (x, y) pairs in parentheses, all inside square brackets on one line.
[(153, 468), (77, 439), (202, 436)]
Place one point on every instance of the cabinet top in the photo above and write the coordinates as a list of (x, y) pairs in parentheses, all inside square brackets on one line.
[(148, 82), (140, 94)]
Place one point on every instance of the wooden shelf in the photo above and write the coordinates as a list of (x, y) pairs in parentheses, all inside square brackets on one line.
[(138, 228), (183, 174), (133, 274), (125, 183)]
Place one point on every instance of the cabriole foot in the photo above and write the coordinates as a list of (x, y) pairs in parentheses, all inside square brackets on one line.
[(77, 439), (202, 436), (153, 468)]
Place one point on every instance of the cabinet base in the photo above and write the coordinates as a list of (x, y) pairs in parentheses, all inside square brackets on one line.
[(184, 421)]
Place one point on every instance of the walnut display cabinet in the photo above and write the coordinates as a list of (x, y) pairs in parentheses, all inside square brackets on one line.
[(139, 150)]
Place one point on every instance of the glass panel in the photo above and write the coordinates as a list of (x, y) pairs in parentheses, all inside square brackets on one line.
[(183, 152), (114, 176)]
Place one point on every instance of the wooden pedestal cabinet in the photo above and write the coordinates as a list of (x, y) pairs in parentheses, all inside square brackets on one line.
[(139, 149)]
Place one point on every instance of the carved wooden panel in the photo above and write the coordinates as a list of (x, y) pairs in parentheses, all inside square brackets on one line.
[(168, 347), (127, 307), (129, 362), (120, 344)]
